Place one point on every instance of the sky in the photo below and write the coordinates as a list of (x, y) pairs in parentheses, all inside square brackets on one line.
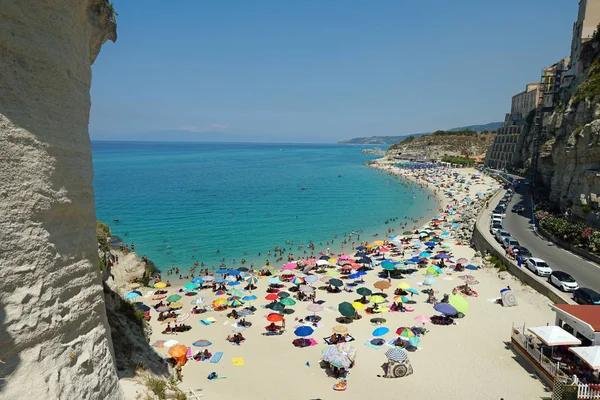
[(318, 71)]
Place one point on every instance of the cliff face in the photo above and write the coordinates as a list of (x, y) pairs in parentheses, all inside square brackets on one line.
[(53, 325), (437, 146)]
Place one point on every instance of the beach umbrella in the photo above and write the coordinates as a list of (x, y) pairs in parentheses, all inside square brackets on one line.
[(173, 297), (336, 282), (234, 302), (396, 354), (407, 233), (471, 267), (307, 289), (198, 300), (388, 266), (423, 234), (340, 330), (160, 285), (442, 256), (311, 278), (208, 278), (425, 254), (403, 285), (303, 331), (249, 298), (459, 303), (274, 318), (183, 317), (333, 356), (219, 302), (199, 281), (287, 301), (445, 308), (271, 297), (332, 260), (132, 295), (429, 280), (401, 299), (346, 309), (243, 269), (251, 280), (430, 244), (411, 290), (322, 263), (235, 283), (315, 308), (283, 295), (432, 271), (202, 343), (220, 280), (236, 292), (221, 272), (382, 330), (134, 285), (358, 305), (170, 343), (383, 250), (297, 280), (142, 307), (274, 280), (382, 285), (178, 351), (333, 272), (289, 266), (405, 332), (163, 309), (363, 291), (375, 299), (278, 306), (190, 287), (422, 319), (354, 276), (220, 292), (233, 272), (360, 248), (462, 261)]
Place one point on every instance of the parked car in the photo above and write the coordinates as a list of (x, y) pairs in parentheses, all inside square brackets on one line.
[(509, 242), (586, 296), (563, 281), (518, 208), (501, 234), (502, 204), (495, 227), (538, 266), (523, 252)]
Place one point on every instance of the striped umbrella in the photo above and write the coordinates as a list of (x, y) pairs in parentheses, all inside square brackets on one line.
[(251, 280), (405, 332), (396, 354), (297, 281), (182, 317)]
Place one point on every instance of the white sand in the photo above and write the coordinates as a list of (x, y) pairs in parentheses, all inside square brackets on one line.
[(467, 360)]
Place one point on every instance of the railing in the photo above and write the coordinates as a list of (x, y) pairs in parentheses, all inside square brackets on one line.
[(587, 392), (546, 363)]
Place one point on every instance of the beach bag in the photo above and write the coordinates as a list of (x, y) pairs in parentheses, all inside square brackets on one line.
[(212, 375), (397, 369)]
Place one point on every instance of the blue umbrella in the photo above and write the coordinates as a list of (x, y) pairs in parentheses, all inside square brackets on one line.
[(221, 272), (249, 298), (303, 331), (274, 281), (411, 290), (414, 341), (234, 283), (132, 295), (430, 244), (382, 330), (445, 308), (425, 254), (362, 273), (442, 256), (354, 276), (391, 237), (360, 254), (233, 272), (437, 269), (360, 248), (407, 262), (220, 280), (198, 281), (415, 259), (445, 235), (455, 224), (471, 267), (423, 234)]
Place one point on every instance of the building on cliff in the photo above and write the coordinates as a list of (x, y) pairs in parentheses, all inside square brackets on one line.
[(588, 19)]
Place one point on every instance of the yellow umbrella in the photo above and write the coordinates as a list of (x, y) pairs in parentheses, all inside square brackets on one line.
[(134, 285), (358, 305), (218, 302), (369, 246), (340, 329), (332, 260), (160, 285), (378, 242), (376, 299), (459, 303), (403, 285), (177, 304), (382, 309)]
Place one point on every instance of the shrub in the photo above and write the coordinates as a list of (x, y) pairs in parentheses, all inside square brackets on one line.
[(158, 387), (591, 86)]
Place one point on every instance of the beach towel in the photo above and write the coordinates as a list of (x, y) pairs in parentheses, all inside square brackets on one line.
[(208, 321), (371, 345), (238, 361), (493, 301), (349, 338), (273, 333), (216, 357)]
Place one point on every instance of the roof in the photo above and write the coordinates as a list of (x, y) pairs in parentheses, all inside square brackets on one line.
[(589, 314), (554, 335), (591, 355)]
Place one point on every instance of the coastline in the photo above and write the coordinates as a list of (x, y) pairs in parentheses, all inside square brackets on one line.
[(482, 333)]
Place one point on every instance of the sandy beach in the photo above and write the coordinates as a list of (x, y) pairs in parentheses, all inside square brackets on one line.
[(469, 359)]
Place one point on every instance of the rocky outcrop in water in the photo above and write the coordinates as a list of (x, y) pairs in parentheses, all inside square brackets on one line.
[(54, 332)]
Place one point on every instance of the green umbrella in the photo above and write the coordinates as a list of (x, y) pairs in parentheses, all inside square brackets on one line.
[(190, 287), (336, 282), (277, 306), (283, 295), (377, 299), (236, 292), (407, 233), (333, 272), (346, 309), (388, 266), (363, 291), (173, 297), (287, 301), (459, 303)]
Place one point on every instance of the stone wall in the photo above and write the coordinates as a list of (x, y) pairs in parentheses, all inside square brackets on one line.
[(53, 325)]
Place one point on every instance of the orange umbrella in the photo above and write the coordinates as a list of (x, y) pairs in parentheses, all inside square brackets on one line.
[(178, 351), (382, 285), (274, 318)]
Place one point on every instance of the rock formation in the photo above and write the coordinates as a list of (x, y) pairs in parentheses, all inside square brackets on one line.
[(435, 146), (53, 324)]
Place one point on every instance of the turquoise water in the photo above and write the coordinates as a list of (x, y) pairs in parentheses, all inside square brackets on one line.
[(181, 202)]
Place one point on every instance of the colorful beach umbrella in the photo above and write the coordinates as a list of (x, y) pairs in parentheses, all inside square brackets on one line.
[(160, 285), (405, 332), (202, 343), (190, 287), (251, 280), (382, 330), (403, 285), (173, 297), (340, 330)]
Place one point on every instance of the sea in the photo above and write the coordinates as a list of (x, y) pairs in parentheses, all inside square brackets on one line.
[(219, 203)]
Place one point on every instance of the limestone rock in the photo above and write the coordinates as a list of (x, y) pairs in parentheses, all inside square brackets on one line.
[(53, 323)]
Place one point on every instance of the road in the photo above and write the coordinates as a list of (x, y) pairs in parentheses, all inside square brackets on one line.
[(586, 273)]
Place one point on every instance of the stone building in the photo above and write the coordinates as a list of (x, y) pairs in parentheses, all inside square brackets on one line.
[(501, 153), (588, 19), (525, 102)]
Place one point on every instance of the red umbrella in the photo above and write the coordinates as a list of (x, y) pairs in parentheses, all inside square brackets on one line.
[(384, 250), (274, 318), (271, 296), (356, 266), (347, 267)]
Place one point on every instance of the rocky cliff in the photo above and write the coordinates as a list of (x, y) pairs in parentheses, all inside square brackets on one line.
[(569, 164), (442, 143), (54, 333)]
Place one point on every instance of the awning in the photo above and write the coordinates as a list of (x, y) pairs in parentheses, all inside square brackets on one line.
[(591, 355), (553, 335)]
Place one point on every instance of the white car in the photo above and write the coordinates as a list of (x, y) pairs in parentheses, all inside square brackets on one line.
[(563, 281), (538, 266), (501, 234), (509, 242), (495, 227)]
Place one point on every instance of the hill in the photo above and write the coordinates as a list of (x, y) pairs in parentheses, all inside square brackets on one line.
[(389, 140)]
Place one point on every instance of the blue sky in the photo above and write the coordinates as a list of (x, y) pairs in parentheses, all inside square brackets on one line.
[(318, 70)]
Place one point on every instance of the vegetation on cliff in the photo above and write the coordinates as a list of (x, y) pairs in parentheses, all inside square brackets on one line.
[(440, 144), (590, 87), (574, 233)]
